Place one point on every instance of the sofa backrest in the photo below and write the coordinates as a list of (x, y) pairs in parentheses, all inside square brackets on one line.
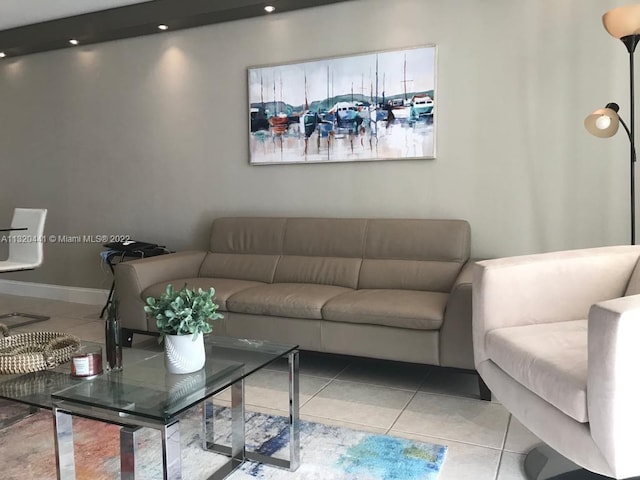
[(413, 254), (322, 250), (244, 248)]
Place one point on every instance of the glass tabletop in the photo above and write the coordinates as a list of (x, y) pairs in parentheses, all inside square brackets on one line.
[(35, 388), (145, 389)]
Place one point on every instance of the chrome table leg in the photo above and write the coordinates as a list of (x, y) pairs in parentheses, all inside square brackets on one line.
[(293, 423), (128, 450), (237, 423), (171, 455), (294, 411), (63, 429), (236, 451)]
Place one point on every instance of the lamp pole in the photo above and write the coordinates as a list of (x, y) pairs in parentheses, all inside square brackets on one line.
[(630, 41)]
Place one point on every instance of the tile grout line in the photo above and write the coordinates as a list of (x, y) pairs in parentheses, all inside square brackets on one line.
[(445, 439), (407, 404), (504, 444), (410, 400), (361, 383), (325, 385), (378, 385)]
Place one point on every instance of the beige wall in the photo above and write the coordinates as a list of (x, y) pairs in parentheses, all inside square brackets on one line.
[(148, 136)]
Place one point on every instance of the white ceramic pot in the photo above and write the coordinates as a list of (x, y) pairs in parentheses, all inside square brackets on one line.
[(182, 354)]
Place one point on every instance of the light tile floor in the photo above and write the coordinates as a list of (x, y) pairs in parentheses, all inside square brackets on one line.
[(406, 400)]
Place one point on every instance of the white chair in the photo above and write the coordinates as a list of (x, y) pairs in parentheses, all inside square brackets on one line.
[(25, 247), (556, 339)]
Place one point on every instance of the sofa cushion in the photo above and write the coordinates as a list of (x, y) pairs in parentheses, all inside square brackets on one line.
[(395, 308), (298, 300), (550, 359), (225, 287)]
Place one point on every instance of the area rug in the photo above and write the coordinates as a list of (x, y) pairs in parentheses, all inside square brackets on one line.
[(327, 452)]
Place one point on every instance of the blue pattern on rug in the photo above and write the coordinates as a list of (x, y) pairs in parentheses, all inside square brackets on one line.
[(329, 452), (392, 459), (326, 452)]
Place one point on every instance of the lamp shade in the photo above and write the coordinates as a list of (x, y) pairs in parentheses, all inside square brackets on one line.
[(622, 21), (602, 123)]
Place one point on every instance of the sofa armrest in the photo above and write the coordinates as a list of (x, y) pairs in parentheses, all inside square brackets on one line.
[(456, 344), (132, 278), (547, 287), (612, 384), (465, 277)]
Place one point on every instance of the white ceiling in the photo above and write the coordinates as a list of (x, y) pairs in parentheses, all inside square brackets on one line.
[(15, 13)]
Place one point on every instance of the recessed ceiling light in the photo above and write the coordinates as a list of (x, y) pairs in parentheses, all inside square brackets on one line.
[(73, 41), (2, 54), (163, 27), (269, 9)]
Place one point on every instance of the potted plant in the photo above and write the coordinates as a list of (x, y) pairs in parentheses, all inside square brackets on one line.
[(182, 317)]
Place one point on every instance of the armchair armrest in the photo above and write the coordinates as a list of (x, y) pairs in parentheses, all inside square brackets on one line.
[(547, 287), (613, 389), (132, 278)]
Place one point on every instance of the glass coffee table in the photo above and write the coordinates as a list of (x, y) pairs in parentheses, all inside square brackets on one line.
[(144, 395)]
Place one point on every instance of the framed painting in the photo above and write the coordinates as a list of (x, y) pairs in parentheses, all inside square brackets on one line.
[(371, 106)]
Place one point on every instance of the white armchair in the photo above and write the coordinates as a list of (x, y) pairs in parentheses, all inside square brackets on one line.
[(557, 340)]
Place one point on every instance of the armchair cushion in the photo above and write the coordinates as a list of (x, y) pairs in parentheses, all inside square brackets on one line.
[(550, 359)]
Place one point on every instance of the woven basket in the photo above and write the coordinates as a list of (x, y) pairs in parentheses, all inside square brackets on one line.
[(34, 351)]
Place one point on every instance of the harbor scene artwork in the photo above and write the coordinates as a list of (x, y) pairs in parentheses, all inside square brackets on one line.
[(373, 106)]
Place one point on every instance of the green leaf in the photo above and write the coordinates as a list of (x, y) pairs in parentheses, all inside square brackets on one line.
[(184, 311)]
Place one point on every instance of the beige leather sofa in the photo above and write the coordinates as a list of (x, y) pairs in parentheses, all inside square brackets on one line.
[(557, 339), (384, 288)]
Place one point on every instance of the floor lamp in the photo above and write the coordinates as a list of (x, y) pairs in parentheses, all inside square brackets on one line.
[(622, 23)]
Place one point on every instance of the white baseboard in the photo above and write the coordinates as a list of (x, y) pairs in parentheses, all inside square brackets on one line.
[(90, 296)]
